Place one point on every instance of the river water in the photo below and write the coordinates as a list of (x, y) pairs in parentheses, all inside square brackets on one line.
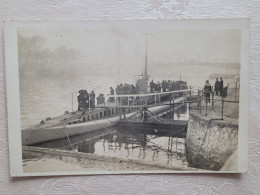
[(49, 97), (146, 146)]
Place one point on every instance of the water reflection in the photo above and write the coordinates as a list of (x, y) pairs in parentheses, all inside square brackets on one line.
[(136, 145), (86, 146), (160, 148), (182, 113)]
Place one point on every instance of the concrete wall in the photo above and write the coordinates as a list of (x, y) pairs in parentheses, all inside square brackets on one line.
[(209, 143)]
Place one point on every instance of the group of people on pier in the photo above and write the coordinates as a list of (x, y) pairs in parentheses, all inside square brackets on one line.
[(166, 86), (124, 89), (218, 88), (86, 100)]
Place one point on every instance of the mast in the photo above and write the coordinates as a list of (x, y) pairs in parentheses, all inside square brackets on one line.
[(145, 67)]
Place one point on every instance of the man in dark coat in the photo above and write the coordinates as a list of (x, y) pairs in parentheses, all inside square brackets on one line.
[(207, 91), (152, 86), (112, 92), (221, 85), (92, 99), (217, 86)]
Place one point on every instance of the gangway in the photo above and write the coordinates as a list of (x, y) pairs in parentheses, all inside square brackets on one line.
[(146, 100)]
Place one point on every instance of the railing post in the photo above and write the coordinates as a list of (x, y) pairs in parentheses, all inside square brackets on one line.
[(198, 98), (120, 113), (206, 106), (72, 102), (212, 98), (173, 107), (155, 99), (200, 104), (222, 111), (236, 91)]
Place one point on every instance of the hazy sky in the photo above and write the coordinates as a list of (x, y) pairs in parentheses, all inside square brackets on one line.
[(170, 51)]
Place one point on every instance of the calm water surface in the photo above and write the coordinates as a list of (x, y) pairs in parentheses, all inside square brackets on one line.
[(148, 146), (48, 97)]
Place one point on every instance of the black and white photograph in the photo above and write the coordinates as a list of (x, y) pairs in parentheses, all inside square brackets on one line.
[(120, 97)]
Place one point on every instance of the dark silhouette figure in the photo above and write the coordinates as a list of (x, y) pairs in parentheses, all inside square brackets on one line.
[(92, 99), (112, 92), (207, 91), (80, 100), (100, 99), (221, 85), (217, 86), (152, 86)]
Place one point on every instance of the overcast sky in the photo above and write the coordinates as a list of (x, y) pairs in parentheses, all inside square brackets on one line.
[(113, 48)]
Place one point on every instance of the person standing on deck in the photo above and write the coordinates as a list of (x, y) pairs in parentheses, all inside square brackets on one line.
[(221, 84), (207, 91), (112, 92), (164, 85), (137, 88), (84, 100), (92, 100), (133, 89), (159, 87), (152, 86), (217, 86), (100, 99)]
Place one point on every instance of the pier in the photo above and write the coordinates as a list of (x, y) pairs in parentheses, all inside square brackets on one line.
[(212, 135)]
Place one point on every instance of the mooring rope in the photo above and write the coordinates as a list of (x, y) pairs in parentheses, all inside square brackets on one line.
[(64, 126)]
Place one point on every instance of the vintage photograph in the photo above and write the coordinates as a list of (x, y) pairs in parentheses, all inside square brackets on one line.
[(127, 96)]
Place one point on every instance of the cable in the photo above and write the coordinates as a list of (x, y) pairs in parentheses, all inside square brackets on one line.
[(64, 126)]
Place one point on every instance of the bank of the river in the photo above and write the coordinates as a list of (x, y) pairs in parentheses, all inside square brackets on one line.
[(211, 141), (53, 160), (71, 165)]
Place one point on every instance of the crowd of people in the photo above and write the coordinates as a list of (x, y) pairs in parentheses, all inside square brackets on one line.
[(124, 89), (86, 100), (166, 86), (218, 88)]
